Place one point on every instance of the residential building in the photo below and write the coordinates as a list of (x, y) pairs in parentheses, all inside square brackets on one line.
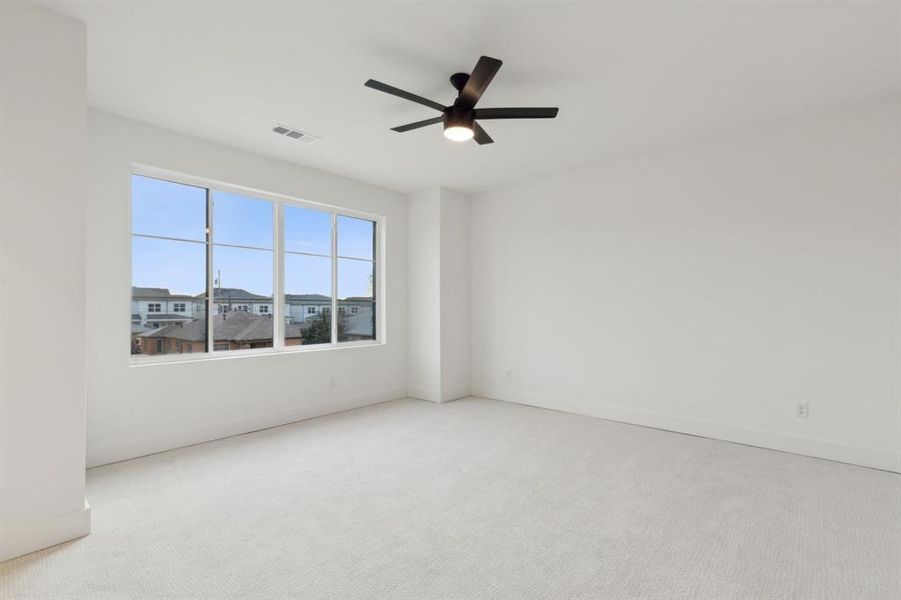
[(158, 307), (232, 330)]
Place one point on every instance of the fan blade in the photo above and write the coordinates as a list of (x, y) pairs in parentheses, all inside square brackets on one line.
[(417, 124), (481, 76), (516, 113), (384, 87), (480, 136)]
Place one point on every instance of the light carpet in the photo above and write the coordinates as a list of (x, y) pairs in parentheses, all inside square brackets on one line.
[(475, 499)]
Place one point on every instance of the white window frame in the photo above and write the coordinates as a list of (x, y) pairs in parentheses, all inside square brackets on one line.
[(279, 306)]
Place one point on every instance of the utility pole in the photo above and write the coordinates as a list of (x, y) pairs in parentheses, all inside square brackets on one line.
[(218, 290)]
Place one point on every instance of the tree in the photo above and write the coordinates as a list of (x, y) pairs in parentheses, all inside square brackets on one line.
[(319, 329)]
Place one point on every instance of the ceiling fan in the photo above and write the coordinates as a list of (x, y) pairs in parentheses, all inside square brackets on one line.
[(460, 118)]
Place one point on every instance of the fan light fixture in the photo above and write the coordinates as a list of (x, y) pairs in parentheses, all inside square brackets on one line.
[(458, 133), (459, 124)]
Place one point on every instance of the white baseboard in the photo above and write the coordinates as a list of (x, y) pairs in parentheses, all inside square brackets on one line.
[(786, 442), (103, 454), (436, 396), (421, 393), (451, 395), (30, 537)]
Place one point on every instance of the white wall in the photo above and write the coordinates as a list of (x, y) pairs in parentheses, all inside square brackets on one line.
[(708, 289), (455, 295), (137, 410), (439, 325), (42, 287), (424, 296)]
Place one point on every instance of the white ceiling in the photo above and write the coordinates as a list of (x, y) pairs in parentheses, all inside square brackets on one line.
[(627, 77)]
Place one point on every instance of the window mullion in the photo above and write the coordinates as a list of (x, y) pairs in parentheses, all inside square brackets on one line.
[(375, 304), (210, 335), (334, 320), (278, 281)]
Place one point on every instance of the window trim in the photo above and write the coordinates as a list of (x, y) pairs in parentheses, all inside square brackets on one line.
[(279, 306)]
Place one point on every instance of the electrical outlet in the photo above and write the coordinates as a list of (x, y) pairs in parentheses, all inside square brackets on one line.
[(509, 373), (803, 410), (331, 383)]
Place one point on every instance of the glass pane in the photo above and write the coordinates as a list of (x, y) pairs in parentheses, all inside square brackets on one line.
[(308, 230), (242, 221), (308, 299), (242, 298), (168, 302), (356, 237), (167, 209), (356, 306)]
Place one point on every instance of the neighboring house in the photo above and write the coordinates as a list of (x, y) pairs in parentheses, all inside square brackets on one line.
[(301, 307), (227, 300), (355, 304), (166, 323), (138, 329), (233, 331), (158, 307), (357, 324)]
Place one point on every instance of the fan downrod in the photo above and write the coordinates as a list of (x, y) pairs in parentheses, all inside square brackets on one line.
[(458, 80)]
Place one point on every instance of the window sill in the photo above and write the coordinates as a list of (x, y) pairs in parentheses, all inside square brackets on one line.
[(170, 359)]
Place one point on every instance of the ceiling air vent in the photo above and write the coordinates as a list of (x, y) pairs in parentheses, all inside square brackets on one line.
[(296, 134)]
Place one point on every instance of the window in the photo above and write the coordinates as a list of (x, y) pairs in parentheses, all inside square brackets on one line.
[(168, 257), (356, 278), (229, 254), (243, 249), (308, 273)]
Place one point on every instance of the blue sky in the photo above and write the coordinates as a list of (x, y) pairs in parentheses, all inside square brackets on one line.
[(167, 209)]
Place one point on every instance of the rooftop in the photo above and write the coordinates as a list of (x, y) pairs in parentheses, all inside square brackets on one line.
[(155, 293), (235, 326), (168, 317), (233, 295)]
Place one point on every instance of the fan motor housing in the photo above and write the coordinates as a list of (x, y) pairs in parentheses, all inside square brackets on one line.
[(458, 116)]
